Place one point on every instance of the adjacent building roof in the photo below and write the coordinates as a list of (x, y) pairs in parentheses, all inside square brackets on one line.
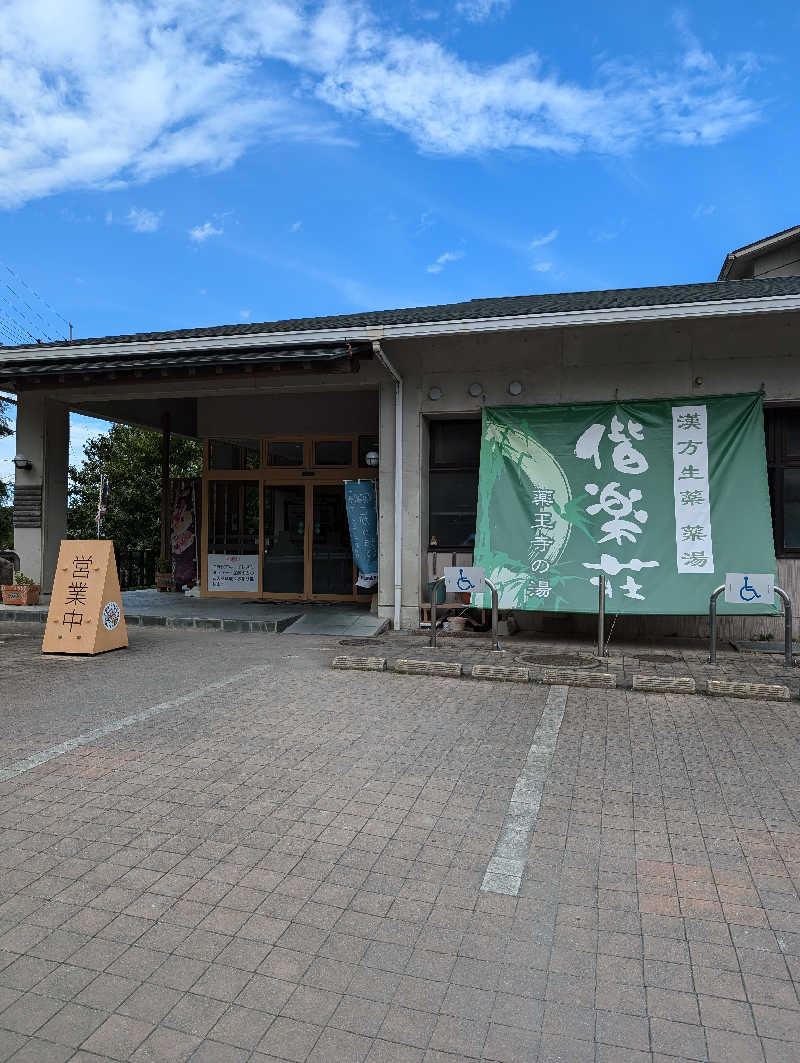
[(326, 338), (738, 263)]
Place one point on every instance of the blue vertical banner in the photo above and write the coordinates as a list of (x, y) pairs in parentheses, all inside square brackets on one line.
[(362, 518)]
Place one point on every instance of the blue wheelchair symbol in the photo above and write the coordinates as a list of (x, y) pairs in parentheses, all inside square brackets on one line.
[(463, 582), (748, 593)]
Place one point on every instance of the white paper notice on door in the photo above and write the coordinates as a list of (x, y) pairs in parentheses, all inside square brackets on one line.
[(233, 572)]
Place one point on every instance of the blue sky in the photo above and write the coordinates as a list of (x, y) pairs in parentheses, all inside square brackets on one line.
[(194, 162)]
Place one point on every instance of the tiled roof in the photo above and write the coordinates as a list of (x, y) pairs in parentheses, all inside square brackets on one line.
[(474, 309)]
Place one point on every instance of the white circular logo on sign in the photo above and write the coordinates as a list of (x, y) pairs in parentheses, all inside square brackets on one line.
[(111, 615)]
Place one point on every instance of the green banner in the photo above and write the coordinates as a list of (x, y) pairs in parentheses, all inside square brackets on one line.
[(664, 497)]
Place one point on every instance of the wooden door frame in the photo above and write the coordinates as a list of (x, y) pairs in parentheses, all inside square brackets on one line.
[(307, 476)]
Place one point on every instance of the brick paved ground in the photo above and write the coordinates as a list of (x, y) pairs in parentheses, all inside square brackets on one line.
[(289, 867)]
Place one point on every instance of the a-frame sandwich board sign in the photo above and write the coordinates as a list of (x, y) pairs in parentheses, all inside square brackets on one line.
[(85, 614)]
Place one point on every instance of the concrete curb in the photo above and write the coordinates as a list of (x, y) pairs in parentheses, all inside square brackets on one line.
[(664, 684), (365, 664), (450, 669), (758, 691), (501, 673), (39, 616), (566, 677), (573, 677)]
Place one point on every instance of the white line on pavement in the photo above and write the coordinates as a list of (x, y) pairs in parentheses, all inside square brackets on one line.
[(20, 766), (507, 866)]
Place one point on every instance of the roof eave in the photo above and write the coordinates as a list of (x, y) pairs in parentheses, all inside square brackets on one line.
[(422, 329)]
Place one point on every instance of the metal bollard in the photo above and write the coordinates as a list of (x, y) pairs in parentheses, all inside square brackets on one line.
[(712, 621), (434, 592), (495, 610), (601, 616), (787, 625)]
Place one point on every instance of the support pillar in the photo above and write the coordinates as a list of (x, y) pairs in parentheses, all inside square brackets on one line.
[(40, 493), (166, 439)]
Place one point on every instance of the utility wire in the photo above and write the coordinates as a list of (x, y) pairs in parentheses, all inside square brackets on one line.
[(22, 319)]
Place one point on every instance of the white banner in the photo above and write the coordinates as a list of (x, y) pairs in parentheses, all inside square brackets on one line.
[(694, 547), (233, 572)]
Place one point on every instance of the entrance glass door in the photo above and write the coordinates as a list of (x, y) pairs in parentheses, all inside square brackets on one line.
[(284, 539), (331, 554)]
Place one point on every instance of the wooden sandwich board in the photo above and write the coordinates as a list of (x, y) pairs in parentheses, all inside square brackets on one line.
[(85, 614)]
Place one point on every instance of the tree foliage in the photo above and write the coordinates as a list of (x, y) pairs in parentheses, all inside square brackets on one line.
[(131, 459)]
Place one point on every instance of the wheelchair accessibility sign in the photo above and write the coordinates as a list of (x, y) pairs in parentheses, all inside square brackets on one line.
[(750, 588), (465, 579)]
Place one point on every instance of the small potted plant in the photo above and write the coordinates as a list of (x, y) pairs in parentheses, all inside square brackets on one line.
[(23, 591), (164, 574)]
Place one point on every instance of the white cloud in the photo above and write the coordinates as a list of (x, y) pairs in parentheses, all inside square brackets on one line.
[(548, 238), (295, 227), (704, 210), (543, 267), (245, 314), (103, 93), (200, 233), (442, 260), (142, 220), (481, 10)]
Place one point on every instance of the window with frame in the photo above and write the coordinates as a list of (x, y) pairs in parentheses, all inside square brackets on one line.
[(455, 448), (782, 432)]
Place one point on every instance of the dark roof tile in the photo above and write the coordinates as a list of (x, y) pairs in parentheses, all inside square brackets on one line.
[(475, 309)]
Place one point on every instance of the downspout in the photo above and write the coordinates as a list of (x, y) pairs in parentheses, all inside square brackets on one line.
[(398, 478)]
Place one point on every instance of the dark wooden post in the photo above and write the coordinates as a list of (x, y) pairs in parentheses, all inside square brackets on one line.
[(166, 516)]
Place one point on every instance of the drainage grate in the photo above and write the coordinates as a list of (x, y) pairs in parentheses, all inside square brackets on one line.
[(361, 642), (559, 660), (657, 658)]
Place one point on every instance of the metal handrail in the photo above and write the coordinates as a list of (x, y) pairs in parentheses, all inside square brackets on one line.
[(495, 610), (787, 625)]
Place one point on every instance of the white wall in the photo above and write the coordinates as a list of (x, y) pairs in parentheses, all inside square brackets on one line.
[(659, 360)]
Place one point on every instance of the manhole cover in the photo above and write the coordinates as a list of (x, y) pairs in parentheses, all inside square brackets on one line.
[(360, 642), (559, 660), (657, 658)]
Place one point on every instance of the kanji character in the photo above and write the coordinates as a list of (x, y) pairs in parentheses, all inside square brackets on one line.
[(693, 533), (688, 421), (541, 543), (543, 519), (77, 593), (692, 498), (611, 566), (588, 446), (695, 559), (632, 588), (542, 497), (688, 446), (617, 505), (72, 619), (690, 472)]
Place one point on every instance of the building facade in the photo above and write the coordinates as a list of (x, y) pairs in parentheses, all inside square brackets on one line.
[(289, 410)]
